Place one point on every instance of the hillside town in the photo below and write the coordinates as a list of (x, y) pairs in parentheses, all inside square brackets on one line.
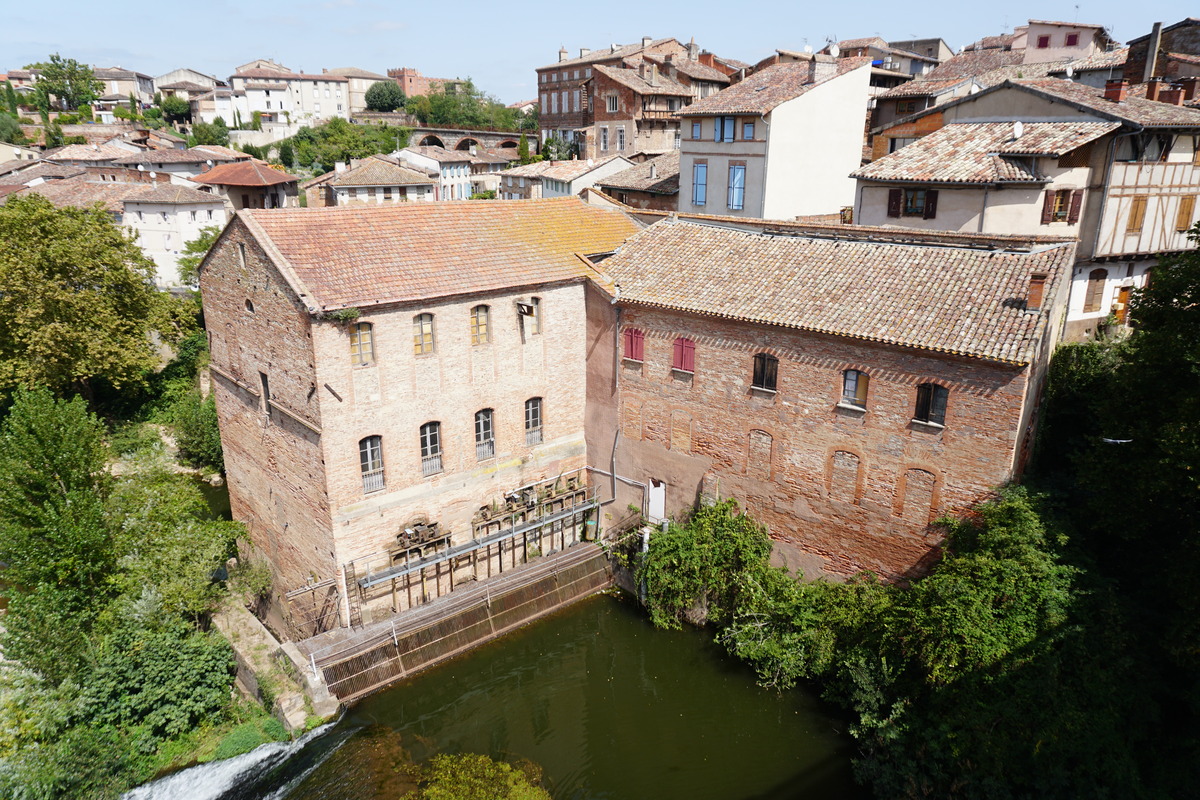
[(466, 363)]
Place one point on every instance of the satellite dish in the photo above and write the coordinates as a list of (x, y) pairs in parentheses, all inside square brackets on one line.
[(141, 167), (1070, 72), (834, 50), (1018, 129), (209, 162), (589, 162), (808, 48), (153, 174)]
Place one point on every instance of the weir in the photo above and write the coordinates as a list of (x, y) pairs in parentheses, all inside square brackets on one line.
[(355, 662)]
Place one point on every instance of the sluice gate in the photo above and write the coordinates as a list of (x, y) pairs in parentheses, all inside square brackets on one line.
[(354, 664)]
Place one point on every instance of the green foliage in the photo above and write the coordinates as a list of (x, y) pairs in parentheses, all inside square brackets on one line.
[(256, 121), (10, 131), (193, 253), (490, 194), (523, 149), (384, 96), (46, 629), (197, 434), (167, 679), (216, 132), (556, 149), (249, 735), (77, 300), (176, 108), (705, 566), (462, 105), (10, 99), (52, 135), (340, 140), (287, 156), (344, 314), (469, 776), (71, 82)]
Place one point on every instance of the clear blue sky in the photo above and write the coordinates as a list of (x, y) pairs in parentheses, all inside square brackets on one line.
[(497, 43)]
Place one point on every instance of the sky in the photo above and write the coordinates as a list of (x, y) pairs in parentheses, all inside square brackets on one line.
[(499, 45)]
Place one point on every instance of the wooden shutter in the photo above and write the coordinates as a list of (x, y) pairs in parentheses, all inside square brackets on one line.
[(685, 355), (1048, 207), (930, 203), (1076, 205), (895, 199), (1137, 214), (924, 391), (1187, 206)]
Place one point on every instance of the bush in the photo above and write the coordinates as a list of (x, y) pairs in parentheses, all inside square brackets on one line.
[(197, 432), (249, 735)]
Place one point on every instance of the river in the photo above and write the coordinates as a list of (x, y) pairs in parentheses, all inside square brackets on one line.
[(608, 706)]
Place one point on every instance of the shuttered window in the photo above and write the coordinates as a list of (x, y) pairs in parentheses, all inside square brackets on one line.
[(362, 348), (699, 183), (480, 331), (1137, 214), (913, 203), (931, 403), (766, 372), (1187, 208), (1094, 296), (854, 387), (737, 186), (634, 342), (423, 334), (684, 358)]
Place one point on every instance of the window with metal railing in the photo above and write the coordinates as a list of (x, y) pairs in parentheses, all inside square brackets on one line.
[(533, 421), (485, 435), (370, 457), (431, 448)]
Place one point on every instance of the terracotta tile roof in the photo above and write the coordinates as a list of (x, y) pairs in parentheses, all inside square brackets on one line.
[(606, 53), (83, 193), (42, 169), (245, 173), (982, 152), (440, 154), (187, 86), (630, 79), (933, 296), (221, 152), (363, 256), (637, 177), (970, 63), (9, 188), (278, 75), (355, 72), (495, 155), (86, 152), (559, 170), (172, 194), (920, 88), (273, 87), (1003, 41), (1106, 60), (867, 41), (193, 156), (1185, 58), (758, 93), (13, 165), (685, 66), (116, 73), (1135, 110), (381, 171)]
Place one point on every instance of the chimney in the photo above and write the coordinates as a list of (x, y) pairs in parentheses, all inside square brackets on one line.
[(1037, 287), (653, 79), (646, 40), (1116, 91), (1152, 51), (693, 49), (653, 171), (563, 55), (583, 51), (642, 70), (339, 166), (1153, 87), (1190, 86), (1171, 95)]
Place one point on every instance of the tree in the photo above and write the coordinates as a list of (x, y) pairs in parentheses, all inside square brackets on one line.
[(287, 155), (523, 150), (556, 149), (53, 134), (176, 108), (72, 83), (77, 300), (194, 252), (215, 132), (384, 96), (10, 99), (10, 130)]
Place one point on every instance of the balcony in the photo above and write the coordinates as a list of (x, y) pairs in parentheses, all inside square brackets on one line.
[(372, 481), (431, 465), (533, 436), (485, 450)]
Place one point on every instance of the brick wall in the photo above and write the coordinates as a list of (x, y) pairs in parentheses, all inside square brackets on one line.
[(846, 490), (919, 127), (1184, 39)]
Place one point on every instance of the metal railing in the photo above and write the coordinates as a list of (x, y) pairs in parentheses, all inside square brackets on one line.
[(485, 450), (431, 465), (533, 436), (373, 480)]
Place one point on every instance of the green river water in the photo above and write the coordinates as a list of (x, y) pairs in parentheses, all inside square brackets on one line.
[(609, 707)]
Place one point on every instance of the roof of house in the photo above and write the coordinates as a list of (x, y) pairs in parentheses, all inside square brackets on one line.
[(172, 194), (188, 86), (1002, 42), (1136, 110), (381, 171), (86, 152), (560, 170), (759, 93), (930, 295), (866, 41), (221, 151), (355, 72), (1109, 59), (245, 173), (39, 169), (363, 255), (982, 152), (637, 178), (286, 75), (495, 155), (1183, 22), (606, 53), (970, 63), (440, 154), (190, 156), (84, 193), (686, 66), (1185, 58), (920, 88), (116, 73), (630, 78)]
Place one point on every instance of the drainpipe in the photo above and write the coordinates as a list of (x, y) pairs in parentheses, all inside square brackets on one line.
[(762, 206), (983, 211)]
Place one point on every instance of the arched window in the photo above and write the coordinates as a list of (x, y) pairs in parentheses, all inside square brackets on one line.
[(533, 421), (854, 388), (480, 332), (431, 448), (684, 358), (766, 371), (362, 344), (485, 435), (422, 334), (635, 342), (1094, 299), (370, 459), (931, 403)]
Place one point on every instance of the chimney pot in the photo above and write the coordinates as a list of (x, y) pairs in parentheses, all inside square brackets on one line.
[(1037, 287), (563, 54), (1172, 95), (653, 171), (1116, 91), (1153, 87), (583, 51), (646, 40), (1190, 87)]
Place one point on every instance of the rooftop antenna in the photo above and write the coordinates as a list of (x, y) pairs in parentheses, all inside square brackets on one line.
[(1077, 12)]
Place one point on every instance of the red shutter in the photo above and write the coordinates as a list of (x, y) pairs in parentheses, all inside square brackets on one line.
[(1048, 208), (685, 355), (895, 198), (1076, 205), (634, 344), (930, 203)]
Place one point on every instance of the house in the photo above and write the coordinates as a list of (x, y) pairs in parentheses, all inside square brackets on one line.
[(847, 386), (185, 75), (1117, 171), (358, 82), (1043, 40), (15, 152), (380, 179), (376, 367), (557, 178), (486, 166), (523, 106), (414, 84), (773, 144), (212, 104), (251, 184), (120, 83), (1176, 50), (633, 110), (279, 95), (652, 184), (890, 66), (453, 168), (935, 48), (188, 163), (88, 154)]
